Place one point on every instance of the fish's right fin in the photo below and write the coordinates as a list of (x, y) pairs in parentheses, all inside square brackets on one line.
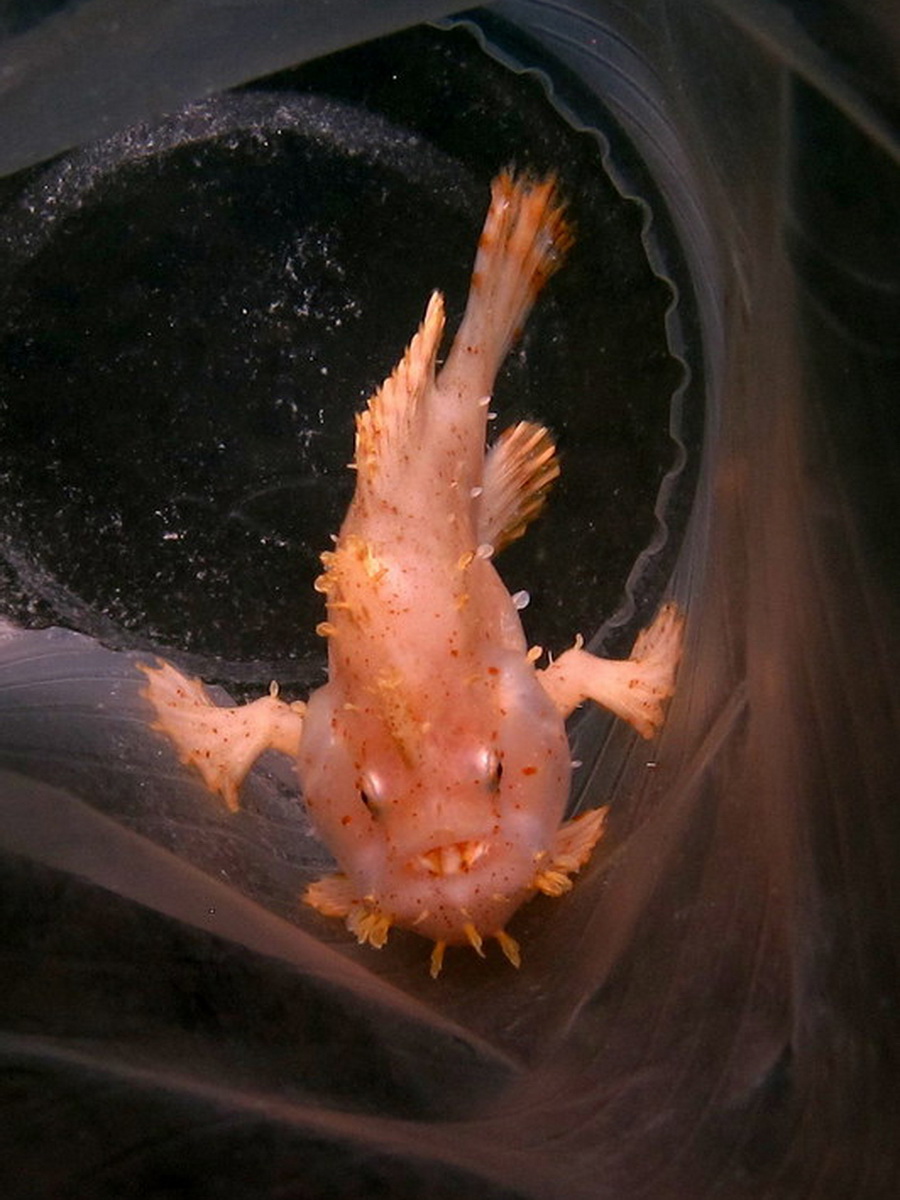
[(222, 743)]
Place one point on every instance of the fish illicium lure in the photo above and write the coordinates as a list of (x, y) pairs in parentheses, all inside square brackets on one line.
[(434, 762)]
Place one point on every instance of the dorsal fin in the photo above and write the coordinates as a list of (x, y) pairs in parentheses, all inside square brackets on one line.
[(518, 471), (385, 429)]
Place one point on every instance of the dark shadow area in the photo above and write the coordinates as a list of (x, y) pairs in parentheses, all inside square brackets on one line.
[(246, 273), (713, 1010)]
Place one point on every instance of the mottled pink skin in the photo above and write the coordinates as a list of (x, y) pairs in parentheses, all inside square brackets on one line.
[(434, 729), (484, 706), (434, 762), (432, 709)]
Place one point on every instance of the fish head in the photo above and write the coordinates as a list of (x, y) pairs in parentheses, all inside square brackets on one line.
[(442, 830)]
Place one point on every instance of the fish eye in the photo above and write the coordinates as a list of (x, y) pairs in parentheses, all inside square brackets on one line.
[(493, 770), (371, 792)]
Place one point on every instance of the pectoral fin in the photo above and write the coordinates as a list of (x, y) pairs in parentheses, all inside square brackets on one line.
[(222, 743), (572, 847), (635, 689)]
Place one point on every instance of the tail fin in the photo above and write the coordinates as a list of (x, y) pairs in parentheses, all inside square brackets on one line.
[(524, 241)]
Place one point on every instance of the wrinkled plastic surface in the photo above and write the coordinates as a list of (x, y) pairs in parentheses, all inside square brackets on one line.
[(713, 1010), (75, 70)]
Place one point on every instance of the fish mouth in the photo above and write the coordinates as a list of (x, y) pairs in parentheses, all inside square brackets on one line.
[(453, 858)]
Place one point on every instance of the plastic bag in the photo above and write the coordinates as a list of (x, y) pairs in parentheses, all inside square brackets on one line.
[(713, 1009)]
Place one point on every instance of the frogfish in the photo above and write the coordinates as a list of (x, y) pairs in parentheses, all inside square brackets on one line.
[(434, 762)]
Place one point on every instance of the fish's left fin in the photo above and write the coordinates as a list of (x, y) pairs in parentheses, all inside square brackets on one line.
[(572, 847), (387, 438), (518, 471), (635, 689)]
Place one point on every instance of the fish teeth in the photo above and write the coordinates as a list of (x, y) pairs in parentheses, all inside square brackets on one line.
[(471, 852), (452, 858)]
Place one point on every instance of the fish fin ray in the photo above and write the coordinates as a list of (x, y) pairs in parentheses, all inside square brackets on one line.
[(518, 471), (388, 429)]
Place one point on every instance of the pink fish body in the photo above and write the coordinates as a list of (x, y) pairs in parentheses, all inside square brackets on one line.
[(434, 762)]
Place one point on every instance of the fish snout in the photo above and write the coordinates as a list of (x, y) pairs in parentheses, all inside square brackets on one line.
[(451, 835), (446, 847)]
